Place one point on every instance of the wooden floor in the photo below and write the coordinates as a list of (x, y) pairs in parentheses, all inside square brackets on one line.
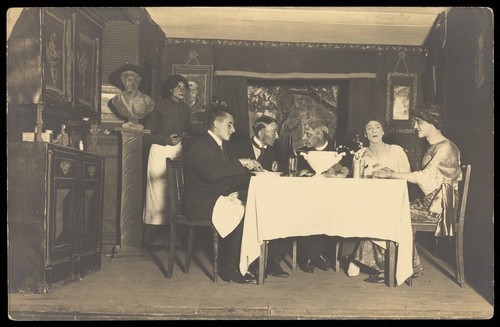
[(132, 286)]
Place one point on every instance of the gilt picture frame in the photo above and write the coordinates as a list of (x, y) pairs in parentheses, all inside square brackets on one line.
[(199, 90), (401, 99)]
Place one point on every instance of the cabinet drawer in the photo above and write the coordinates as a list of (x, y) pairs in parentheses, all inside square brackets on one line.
[(92, 170), (65, 167)]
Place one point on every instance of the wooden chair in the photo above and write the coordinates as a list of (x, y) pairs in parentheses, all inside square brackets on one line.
[(175, 181), (458, 226)]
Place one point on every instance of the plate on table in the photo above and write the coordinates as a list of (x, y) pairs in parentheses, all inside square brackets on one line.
[(267, 173)]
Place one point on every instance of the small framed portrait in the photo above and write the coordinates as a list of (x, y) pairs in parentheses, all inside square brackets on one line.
[(401, 99), (199, 93)]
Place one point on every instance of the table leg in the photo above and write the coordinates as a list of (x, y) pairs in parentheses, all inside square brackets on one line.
[(337, 248), (294, 255), (390, 264), (262, 262)]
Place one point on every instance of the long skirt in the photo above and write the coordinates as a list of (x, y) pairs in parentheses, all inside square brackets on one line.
[(372, 255), (155, 208)]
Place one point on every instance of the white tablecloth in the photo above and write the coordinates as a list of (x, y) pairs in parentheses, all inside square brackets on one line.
[(295, 206)]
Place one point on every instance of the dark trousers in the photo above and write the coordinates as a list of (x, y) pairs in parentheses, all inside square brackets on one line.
[(276, 250), (312, 246), (230, 249), (349, 245)]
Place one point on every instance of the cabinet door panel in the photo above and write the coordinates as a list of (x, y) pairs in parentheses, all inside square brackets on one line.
[(90, 225), (61, 232)]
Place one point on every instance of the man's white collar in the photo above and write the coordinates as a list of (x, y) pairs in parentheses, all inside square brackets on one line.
[(321, 148), (215, 137), (259, 142)]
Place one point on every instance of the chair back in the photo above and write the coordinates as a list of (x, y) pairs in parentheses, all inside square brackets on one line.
[(175, 184), (463, 191)]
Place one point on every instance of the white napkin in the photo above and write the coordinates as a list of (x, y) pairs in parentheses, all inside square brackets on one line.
[(227, 214)]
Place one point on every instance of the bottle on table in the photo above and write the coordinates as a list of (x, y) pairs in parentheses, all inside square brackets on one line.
[(292, 158)]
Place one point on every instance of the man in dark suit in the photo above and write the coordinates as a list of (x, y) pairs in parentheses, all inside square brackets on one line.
[(209, 174), (260, 147), (313, 249)]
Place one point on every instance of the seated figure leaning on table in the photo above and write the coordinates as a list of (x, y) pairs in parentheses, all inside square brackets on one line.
[(215, 182), (261, 147), (377, 155), (312, 250), (438, 180)]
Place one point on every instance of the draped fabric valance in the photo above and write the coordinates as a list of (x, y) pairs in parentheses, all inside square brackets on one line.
[(294, 63)]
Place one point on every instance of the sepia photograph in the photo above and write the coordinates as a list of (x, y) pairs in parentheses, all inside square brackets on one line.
[(250, 163)]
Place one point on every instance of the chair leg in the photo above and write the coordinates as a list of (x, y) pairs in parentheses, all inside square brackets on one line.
[(215, 245), (459, 265), (294, 255), (436, 247), (409, 280), (171, 250), (189, 250)]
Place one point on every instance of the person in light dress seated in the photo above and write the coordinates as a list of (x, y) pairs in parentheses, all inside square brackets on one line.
[(438, 179), (367, 160)]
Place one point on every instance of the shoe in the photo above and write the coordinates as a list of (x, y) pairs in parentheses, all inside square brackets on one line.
[(417, 271), (274, 269), (235, 276), (152, 248), (379, 278), (307, 266), (353, 269), (253, 269), (322, 263)]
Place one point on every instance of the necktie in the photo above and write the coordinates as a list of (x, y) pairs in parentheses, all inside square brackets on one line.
[(260, 158), (223, 150)]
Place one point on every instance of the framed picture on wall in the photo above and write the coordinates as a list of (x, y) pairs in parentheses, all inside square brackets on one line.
[(199, 90), (401, 98)]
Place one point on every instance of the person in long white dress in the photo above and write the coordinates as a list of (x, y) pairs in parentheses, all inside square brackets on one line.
[(372, 158)]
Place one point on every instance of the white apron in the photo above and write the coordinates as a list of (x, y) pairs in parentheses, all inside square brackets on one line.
[(155, 209)]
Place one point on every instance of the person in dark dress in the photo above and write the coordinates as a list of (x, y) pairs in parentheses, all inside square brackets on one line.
[(261, 147), (170, 125)]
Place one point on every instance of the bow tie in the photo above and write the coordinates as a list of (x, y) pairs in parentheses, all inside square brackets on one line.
[(257, 145)]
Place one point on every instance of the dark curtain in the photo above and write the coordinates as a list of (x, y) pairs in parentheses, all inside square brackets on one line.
[(362, 100), (233, 90)]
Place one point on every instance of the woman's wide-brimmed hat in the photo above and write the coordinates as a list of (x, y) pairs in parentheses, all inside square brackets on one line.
[(115, 78), (170, 83), (431, 113)]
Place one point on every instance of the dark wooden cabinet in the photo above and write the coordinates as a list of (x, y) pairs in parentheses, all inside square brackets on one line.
[(54, 60), (54, 201)]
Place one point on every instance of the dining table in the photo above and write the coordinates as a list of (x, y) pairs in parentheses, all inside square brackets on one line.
[(376, 209)]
